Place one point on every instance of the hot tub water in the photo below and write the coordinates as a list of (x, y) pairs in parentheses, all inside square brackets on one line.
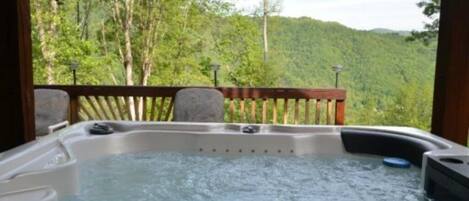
[(182, 177)]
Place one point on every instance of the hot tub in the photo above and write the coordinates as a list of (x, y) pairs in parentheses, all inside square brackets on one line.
[(53, 168)]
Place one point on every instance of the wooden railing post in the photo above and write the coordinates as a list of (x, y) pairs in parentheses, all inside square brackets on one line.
[(74, 109), (340, 112)]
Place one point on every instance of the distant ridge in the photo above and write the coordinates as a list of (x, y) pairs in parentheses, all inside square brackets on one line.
[(390, 31)]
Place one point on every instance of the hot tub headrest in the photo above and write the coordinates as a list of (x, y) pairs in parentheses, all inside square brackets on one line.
[(386, 144), (199, 105)]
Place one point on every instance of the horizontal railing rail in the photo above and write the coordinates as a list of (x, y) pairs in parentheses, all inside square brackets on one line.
[(242, 105)]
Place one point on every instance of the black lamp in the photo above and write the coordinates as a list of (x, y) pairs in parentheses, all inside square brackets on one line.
[(73, 67), (337, 69), (215, 68)]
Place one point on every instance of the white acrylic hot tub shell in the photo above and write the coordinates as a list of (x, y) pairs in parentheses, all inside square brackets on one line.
[(46, 169)]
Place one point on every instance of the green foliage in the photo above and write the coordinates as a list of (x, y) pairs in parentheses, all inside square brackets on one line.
[(376, 65), (410, 107), (243, 56), (431, 8), (389, 80), (68, 48)]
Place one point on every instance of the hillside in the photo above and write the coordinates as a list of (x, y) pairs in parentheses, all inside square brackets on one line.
[(378, 66)]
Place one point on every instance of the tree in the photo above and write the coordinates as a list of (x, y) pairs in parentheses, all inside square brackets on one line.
[(46, 25), (123, 17), (148, 22), (412, 106), (56, 44), (239, 48), (268, 8), (431, 8), (265, 31)]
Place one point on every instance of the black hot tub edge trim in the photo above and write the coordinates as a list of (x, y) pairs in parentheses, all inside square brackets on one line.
[(446, 175)]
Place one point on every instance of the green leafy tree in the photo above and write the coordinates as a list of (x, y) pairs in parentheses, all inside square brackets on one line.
[(431, 8), (412, 106), (240, 49), (57, 43)]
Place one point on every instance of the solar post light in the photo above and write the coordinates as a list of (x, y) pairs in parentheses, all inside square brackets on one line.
[(73, 67), (337, 69), (215, 68)]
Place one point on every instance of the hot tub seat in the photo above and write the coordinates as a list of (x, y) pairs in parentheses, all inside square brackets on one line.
[(387, 144), (445, 168)]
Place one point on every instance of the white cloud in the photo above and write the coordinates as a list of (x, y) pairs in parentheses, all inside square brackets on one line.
[(359, 14)]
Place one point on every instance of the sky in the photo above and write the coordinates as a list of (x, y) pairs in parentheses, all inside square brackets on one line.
[(402, 15)]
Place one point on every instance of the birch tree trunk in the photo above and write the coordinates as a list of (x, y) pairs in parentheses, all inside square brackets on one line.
[(180, 41), (85, 21), (151, 20), (150, 24), (266, 42), (47, 32), (128, 59), (54, 6), (106, 52), (123, 15)]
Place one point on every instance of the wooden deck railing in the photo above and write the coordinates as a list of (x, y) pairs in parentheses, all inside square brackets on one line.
[(242, 105)]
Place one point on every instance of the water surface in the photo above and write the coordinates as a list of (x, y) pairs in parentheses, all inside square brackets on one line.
[(195, 177)]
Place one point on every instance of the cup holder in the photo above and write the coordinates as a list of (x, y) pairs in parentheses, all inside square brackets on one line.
[(452, 160)]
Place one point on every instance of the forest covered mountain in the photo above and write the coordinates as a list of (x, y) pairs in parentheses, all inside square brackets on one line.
[(172, 43), (383, 72)]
